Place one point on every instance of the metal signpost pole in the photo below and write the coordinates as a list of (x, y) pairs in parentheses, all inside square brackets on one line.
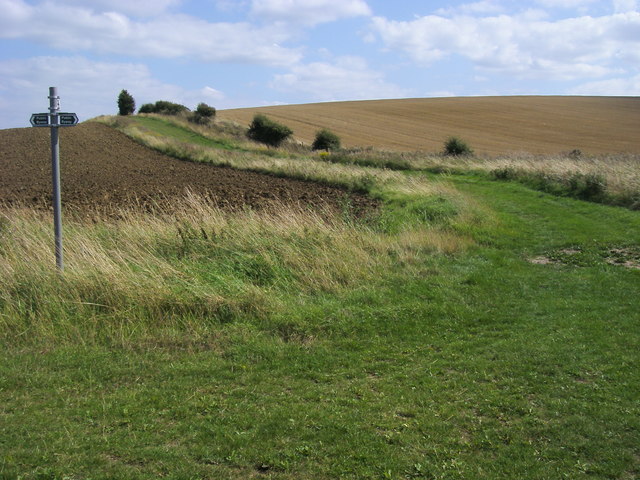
[(55, 119), (54, 107)]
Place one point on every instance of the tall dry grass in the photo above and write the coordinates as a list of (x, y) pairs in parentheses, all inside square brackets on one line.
[(140, 274), (620, 172)]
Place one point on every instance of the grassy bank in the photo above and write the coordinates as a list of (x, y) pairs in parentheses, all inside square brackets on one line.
[(470, 329), (136, 276), (607, 179)]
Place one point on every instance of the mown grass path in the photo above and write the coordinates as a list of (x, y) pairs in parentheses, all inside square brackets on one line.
[(477, 365), (166, 129)]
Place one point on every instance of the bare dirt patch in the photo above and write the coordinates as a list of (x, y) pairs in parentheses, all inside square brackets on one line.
[(103, 168), (628, 257), (625, 257)]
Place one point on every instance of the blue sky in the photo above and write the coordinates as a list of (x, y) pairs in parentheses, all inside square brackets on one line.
[(237, 53)]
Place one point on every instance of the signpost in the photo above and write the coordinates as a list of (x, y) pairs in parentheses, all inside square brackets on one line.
[(55, 119), (64, 120), (67, 119), (40, 120)]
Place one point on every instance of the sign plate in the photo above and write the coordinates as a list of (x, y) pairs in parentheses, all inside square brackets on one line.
[(40, 120), (44, 120), (67, 119)]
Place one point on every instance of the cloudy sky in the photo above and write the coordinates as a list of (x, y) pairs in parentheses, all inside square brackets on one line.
[(235, 53)]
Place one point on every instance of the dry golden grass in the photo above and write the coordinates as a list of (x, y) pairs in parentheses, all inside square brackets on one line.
[(150, 272), (621, 172), (491, 125)]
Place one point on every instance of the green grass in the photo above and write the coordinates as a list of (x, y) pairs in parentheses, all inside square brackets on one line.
[(162, 127), (439, 363)]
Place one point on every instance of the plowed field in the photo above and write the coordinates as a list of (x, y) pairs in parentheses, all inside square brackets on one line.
[(491, 125), (101, 167)]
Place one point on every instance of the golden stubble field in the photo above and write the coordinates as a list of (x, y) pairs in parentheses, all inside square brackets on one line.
[(491, 125)]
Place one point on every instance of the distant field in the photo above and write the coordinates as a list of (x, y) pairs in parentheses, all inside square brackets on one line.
[(492, 125)]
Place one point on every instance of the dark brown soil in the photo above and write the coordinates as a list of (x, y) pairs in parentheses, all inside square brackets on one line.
[(104, 169)]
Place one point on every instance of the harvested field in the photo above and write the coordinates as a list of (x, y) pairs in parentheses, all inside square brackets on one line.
[(491, 125), (102, 168)]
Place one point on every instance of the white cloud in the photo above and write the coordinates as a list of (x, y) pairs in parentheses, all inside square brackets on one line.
[(86, 87), (524, 46), (211, 93), (612, 87), (140, 8), (308, 12), (230, 5), (482, 7), (167, 36), (565, 4), (624, 6), (349, 78)]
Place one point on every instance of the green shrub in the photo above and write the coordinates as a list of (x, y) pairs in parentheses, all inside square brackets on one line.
[(504, 173), (456, 147), (147, 108), (591, 186), (169, 108), (326, 140), (126, 103), (203, 114), (163, 107), (265, 130), (205, 110)]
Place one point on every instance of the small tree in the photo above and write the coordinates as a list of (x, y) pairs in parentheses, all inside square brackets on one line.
[(203, 114), (265, 130), (205, 110), (126, 103), (455, 146), (326, 140)]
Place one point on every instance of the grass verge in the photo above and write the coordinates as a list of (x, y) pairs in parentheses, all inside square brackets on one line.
[(190, 271), (427, 343)]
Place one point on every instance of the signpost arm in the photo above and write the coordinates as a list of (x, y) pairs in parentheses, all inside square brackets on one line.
[(54, 107)]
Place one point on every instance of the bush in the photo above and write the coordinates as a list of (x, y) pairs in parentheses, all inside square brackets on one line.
[(455, 146), (203, 114), (205, 110), (126, 103), (504, 173), (326, 140), (589, 186), (265, 130), (147, 108), (163, 107)]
